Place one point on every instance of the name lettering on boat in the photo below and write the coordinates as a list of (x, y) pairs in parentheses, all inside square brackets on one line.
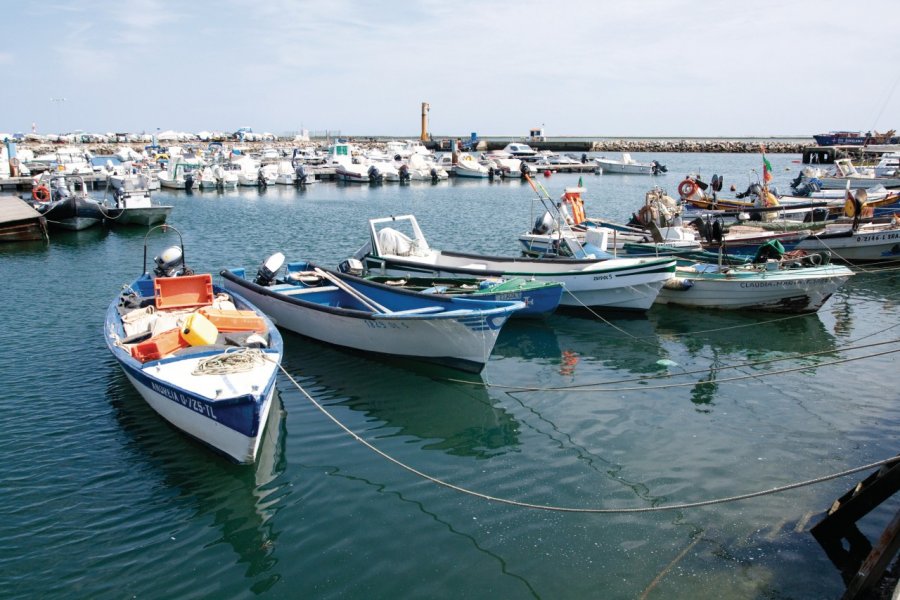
[(187, 401), (878, 237), (789, 283), (386, 325), (603, 277)]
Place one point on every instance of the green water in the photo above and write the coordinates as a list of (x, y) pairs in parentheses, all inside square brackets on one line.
[(102, 499)]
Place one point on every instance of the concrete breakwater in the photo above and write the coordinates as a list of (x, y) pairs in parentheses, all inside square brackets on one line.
[(714, 146)]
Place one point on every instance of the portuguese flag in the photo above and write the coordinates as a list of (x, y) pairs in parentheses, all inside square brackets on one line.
[(767, 169)]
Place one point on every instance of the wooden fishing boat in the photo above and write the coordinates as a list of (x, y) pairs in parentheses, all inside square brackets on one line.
[(622, 284), (540, 297), (348, 311), (789, 286), (203, 358)]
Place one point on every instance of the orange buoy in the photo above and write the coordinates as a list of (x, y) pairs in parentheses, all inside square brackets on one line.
[(41, 193)]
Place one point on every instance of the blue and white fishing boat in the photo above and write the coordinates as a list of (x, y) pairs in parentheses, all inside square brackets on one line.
[(205, 359), (589, 281), (352, 312)]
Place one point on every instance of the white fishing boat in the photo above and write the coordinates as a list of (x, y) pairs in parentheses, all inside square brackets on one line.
[(625, 284), (204, 359), (520, 150), (867, 242), (351, 312), (790, 286), (420, 167), (629, 166)]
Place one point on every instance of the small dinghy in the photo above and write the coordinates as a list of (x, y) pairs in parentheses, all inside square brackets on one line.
[(355, 313), (203, 358)]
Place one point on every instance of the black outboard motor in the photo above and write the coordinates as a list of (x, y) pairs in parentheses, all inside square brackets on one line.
[(525, 168), (188, 182), (795, 183), (434, 175), (265, 276), (404, 173), (656, 168), (374, 175), (491, 173), (300, 174), (584, 158), (261, 179)]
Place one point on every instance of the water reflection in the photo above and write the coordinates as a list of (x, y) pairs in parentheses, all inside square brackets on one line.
[(435, 406), (240, 500)]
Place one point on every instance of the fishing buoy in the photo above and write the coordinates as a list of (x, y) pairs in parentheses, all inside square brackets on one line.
[(547, 173), (733, 188)]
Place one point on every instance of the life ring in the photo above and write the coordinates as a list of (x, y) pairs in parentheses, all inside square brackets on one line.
[(687, 188), (41, 193)]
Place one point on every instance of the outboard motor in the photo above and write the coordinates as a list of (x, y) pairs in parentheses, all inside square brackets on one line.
[(188, 182), (265, 276), (374, 175), (352, 266), (657, 168), (261, 179), (168, 262), (434, 175), (58, 189), (525, 168), (543, 224), (491, 173), (300, 174), (404, 173)]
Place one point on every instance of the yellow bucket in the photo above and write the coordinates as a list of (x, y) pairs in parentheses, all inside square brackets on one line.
[(199, 331)]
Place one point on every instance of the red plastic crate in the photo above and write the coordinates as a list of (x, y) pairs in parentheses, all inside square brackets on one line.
[(234, 320), (190, 291), (159, 345)]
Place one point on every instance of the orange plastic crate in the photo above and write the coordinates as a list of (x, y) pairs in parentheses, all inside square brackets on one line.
[(159, 345), (234, 320), (183, 292)]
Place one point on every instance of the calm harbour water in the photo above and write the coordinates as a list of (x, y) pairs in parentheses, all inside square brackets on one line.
[(102, 499)]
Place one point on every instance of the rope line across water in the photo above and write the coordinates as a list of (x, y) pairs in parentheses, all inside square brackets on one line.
[(571, 509)]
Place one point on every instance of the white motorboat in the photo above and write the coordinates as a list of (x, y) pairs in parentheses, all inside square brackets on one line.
[(181, 174), (629, 166), (203, 358), (844, 173), (467, 166), (420, 167), (520, 150), (131, 202), (628, 284)]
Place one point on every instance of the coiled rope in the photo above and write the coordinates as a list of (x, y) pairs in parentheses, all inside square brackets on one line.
[(572, 509), (240, 360)]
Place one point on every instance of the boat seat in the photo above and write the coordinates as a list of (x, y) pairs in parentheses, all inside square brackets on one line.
[(291, 290), (413, 311)]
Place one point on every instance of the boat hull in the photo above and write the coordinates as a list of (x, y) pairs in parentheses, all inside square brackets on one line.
[(857, 246), (615, 284), (72, 214), (462, 342), (788, 291), (145, 217), (608, 166), (226, 411)]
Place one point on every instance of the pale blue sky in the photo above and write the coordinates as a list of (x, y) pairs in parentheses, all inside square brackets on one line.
[(579, 67)]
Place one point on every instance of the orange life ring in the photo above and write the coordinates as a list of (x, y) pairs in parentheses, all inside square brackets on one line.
[(41, 193), (687, 188)]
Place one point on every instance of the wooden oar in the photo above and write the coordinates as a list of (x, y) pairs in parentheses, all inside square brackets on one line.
[(371, 304)]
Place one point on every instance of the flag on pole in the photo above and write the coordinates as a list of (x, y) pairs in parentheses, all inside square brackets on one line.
[(767, 169)]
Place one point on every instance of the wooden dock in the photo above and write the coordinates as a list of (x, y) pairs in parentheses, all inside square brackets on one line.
[(19, 222)]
